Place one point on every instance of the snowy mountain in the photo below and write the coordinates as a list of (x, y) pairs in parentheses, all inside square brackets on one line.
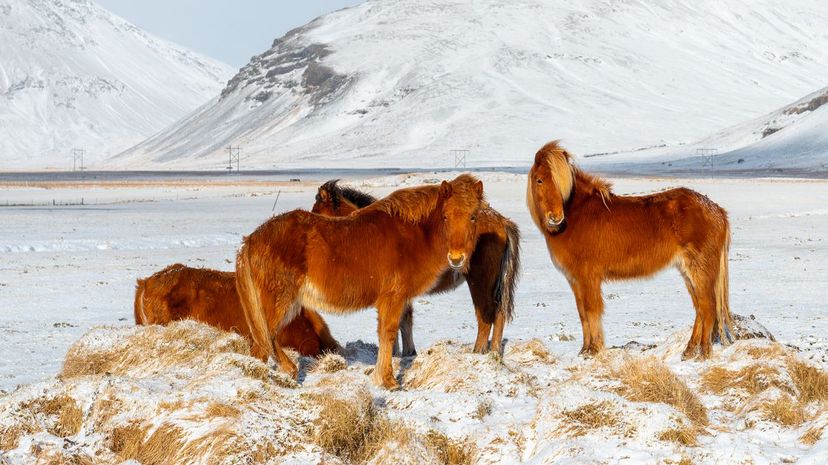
[(793, 137), (74, 75), (400, 83)]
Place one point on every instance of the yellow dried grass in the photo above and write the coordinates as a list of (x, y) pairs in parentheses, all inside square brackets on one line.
[(647, 379)]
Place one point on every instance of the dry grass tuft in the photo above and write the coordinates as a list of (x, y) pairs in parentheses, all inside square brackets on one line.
[(684, 435), (249, 366), (784, 410), (591, 416), (126, 440), (10, 437), (283, 379), (212, 447), (484, 409), (330, 363), (218, 409), (356, 431), (647, 379), (351, 429), (142, 351), (451, 451), (811, 436), (162, 447), (68, 417), (751, 379), (810, 381), (529, 352), (772, 351)]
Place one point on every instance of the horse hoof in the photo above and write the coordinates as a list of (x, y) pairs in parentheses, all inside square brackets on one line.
[(387, 382), (688, 354), (412, 353)]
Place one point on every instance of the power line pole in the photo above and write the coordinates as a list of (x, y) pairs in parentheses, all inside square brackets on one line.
[(233, 155), (459, 157), (77, 159)]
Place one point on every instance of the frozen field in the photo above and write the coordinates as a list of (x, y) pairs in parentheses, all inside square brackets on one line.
[(68, 268)]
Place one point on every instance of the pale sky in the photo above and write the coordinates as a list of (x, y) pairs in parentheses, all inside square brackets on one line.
[(231, 31)]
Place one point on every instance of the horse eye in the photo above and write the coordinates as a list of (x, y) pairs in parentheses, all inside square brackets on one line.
[(474, 217), (540, 181)]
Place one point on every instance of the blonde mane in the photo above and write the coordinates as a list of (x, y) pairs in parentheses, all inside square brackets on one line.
[(567, 176), (414, 204)]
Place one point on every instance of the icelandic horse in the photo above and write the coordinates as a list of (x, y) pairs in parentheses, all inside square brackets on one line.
[(491, 276), (594, 235), (380, 256), (180, 292)]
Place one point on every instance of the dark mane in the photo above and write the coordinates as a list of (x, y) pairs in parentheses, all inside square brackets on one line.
[(358, 198)]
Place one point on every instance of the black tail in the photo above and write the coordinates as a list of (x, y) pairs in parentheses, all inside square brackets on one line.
[(504, 290)]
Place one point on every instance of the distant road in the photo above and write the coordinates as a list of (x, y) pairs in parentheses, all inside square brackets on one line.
[(362, 173)]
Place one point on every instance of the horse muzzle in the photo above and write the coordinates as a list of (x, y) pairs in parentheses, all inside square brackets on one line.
[(554, 225), (456, 261)]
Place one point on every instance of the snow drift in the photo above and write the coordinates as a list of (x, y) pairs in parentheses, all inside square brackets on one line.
[(188, 393)]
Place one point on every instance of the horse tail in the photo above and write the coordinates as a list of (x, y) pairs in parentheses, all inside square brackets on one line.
[(724, 320), (251, 304), (138, 307), (504, 291)]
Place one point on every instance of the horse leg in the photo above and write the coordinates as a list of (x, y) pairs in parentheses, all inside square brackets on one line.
[(497, 333), (481, 344), (407, 332), (702, 284), (389, 314), (695, 335), (284, 314), (481, 289), (580, 303), (594, 310), (708, 309)]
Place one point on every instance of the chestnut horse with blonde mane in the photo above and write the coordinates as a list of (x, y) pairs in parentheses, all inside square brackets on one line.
[(491, 276), (380, 256), (594, 235), (179, 292)]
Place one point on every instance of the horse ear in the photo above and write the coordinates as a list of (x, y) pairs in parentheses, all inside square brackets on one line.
[(445, 189), (478, 188), (323, 194), (539, 157)]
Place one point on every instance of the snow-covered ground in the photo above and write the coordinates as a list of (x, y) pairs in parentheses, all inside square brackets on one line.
[(66, 269)]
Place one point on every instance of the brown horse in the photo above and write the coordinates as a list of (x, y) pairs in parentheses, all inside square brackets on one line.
[(594, 235), (380, 256), (179, 292), (491, 276)]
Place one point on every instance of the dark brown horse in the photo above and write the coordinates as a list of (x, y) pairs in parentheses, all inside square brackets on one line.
[(380, 256), (594, 235), (179, 292), (492, 273)]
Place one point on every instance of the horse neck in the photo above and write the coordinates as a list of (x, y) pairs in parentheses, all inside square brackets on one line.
[(587, 190)]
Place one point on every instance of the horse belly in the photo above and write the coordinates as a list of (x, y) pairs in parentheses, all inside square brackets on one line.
[(339, 300)]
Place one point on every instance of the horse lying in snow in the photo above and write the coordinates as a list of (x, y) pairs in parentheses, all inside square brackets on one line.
[(179, 292)]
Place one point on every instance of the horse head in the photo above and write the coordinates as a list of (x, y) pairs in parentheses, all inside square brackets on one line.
[(328, 201), (549, 187), (459, 202)]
